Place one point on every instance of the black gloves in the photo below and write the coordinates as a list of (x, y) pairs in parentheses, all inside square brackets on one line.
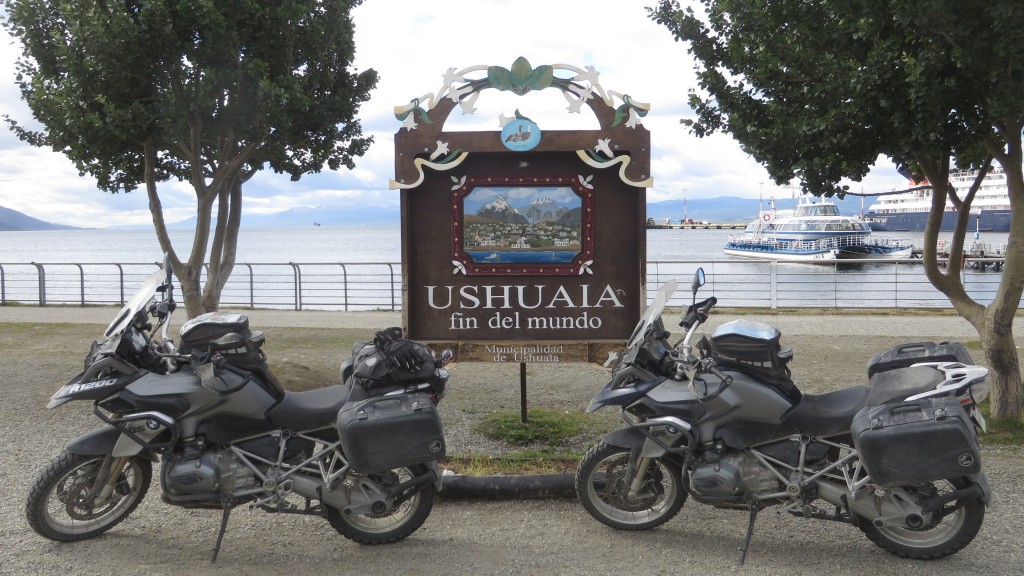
[(380, 339), (398, 352), (402, 354)]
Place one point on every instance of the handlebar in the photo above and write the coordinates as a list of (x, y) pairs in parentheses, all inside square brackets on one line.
[(223, 364), (708, 304), (710, 366), (698, 313)]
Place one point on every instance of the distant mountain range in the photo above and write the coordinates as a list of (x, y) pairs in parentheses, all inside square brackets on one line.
[(721, 209), (726, 209), (315, 216), (14, 220)]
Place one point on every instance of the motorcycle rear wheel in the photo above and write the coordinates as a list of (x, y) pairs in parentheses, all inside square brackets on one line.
[(602, 484), (939, 539), (60, 506), (403, 519)]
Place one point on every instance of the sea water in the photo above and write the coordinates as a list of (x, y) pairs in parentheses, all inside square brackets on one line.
[(671, 253), (283, 245), (315, 244)]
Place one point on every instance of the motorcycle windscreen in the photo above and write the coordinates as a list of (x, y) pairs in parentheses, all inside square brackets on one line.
[(142, 297), (652, 313)]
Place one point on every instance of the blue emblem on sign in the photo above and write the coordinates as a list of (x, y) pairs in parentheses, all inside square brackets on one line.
[(520, 135)]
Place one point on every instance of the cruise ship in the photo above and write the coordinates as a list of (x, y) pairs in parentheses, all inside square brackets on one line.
[(908, 211)]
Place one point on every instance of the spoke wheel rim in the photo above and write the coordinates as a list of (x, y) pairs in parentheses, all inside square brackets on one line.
[(611, 499), (67, 506)]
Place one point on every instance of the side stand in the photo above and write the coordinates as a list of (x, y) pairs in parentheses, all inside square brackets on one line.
[(750, 532), (228, 506)]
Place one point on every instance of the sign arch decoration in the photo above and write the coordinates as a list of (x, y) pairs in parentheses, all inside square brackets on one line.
[(522, 78), (616, 143)]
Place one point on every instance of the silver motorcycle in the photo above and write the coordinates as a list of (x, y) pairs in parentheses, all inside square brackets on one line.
[(722, 423), (362, 454)]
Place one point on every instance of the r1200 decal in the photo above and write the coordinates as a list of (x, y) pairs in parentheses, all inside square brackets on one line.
[(83, 386)]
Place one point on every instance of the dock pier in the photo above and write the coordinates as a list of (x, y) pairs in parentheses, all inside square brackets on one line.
[(698, 226), (981, 255)]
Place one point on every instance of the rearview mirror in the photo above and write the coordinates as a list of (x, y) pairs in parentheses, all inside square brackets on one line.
[(698, 280)]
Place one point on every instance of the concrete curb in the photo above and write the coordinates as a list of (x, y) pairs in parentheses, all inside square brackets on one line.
[(534, 487)]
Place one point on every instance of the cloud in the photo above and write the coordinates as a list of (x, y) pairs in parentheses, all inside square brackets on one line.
[(411, 44)]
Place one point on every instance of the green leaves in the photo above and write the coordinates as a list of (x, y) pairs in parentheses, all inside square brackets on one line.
[(522, 78), (818, 90), (215, 86)]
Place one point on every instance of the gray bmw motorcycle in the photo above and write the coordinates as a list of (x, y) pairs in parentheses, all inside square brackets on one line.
[(223, 432), (726, 426)]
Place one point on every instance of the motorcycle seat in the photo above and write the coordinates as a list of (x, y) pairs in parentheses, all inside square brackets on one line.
[(309, 410), (829, 413), (900, 383)]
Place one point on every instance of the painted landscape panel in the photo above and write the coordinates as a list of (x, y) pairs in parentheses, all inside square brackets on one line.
[(522, 224)]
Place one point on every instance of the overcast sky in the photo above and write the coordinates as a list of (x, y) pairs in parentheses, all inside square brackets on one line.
[(411, 44)]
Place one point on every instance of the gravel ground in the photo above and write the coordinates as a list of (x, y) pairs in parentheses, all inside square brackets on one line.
[(500, 537)]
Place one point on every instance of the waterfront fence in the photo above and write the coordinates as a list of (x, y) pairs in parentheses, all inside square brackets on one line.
[(357, 286)]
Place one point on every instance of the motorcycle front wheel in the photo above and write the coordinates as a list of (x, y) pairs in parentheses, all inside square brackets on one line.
[(945, 535), (404, 518), (61, 505), (603, 479)]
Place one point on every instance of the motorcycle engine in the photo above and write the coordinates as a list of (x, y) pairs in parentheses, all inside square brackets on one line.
[(731, 475), (212, 473)]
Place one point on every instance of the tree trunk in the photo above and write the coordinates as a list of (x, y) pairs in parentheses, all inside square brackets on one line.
[(188, 280), (191, 272), (994, 323), (225, 242), (1004, 365)]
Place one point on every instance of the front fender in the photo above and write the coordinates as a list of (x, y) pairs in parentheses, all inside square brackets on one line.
[(102, 442), (95, 443), (625, 438)]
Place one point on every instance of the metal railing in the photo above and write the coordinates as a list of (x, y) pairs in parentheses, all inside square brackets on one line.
[(378, 285)]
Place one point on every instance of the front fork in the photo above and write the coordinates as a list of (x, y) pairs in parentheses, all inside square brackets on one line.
[(638, 479), (648, 440), (106, 479)]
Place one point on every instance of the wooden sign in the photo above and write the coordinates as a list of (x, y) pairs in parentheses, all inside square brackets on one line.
[(523, 245), (531, 352)]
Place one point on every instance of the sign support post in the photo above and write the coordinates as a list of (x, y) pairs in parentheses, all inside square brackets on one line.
[(523, 412)]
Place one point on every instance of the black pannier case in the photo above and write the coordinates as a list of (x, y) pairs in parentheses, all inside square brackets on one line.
[(916, 441), (908, 354), (391, 431), (753, 348)]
